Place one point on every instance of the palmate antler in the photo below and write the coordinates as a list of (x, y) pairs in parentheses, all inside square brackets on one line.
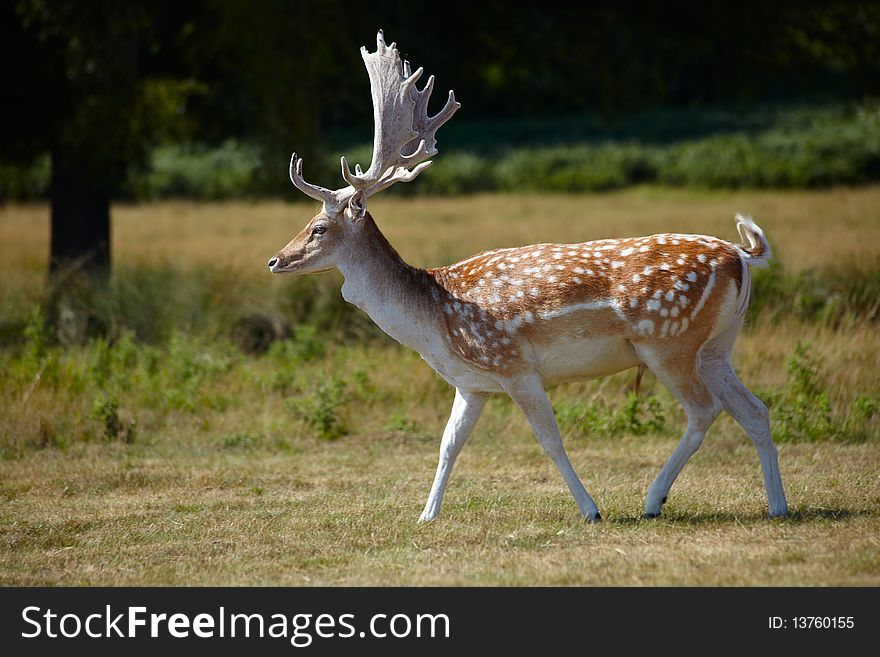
[(404, 135)]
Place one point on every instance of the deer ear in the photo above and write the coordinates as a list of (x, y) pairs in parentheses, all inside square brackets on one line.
[(357, 205)]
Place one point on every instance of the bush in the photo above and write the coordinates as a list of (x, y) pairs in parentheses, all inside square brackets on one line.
[(320, 409), (25, 182), (803, 412), (400, 422), (576, 168), (229, 170), (756, 146), (761, 147), (637, 417), (105, 410), (243, 441)]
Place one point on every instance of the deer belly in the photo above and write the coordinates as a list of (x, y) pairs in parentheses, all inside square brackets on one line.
[(583, 358), (462, 375)]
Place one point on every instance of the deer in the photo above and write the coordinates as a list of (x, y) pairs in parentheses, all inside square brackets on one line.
[(519, 320)]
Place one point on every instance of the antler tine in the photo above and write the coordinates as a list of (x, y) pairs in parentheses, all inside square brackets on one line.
[(314, 191), (427, 126), (400, 174), (404, 136)]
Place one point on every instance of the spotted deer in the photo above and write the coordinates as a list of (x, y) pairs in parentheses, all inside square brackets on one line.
[(516, 320)]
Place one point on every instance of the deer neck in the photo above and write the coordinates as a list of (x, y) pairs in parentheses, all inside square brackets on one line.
[(396, 296)]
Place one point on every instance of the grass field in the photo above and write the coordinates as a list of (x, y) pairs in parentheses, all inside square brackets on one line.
[(183, 460)]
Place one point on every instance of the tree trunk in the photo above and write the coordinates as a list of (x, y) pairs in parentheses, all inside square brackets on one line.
[(80, 216)]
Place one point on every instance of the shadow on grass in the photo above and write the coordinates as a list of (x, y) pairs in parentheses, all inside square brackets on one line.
[(796, 516)]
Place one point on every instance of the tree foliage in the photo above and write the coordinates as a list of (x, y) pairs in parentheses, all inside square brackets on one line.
[(116, 78)]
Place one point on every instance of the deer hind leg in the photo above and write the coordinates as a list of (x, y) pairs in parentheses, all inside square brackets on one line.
[(750, 412), (528, 393), (466, 411), (680, 375)]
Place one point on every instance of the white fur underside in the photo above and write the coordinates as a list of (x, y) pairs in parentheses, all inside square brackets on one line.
[(584, 358)]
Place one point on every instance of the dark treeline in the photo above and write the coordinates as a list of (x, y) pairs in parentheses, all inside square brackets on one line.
[(97, 84)]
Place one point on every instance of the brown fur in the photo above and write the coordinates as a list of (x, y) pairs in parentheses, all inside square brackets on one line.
[(493, 300)]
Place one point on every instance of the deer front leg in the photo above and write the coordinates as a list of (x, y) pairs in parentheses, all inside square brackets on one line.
[(465, 411), (528, 393)]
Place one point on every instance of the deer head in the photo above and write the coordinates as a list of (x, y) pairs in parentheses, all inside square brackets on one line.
[(404, 139)]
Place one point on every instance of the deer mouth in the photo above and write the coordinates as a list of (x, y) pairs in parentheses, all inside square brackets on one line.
[(293, 267)]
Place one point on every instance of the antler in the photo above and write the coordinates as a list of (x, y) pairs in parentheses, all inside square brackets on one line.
[(317, 192), (404, 136)]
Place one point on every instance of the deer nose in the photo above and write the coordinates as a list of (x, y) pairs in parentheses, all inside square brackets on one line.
[(273, 262)]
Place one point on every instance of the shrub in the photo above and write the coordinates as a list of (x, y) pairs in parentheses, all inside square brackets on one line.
[(802, 411), (756, 146), (400, 422), (320, 409), (242, 440), (197, 171), (637, 417), (25, 182), (106, 411)]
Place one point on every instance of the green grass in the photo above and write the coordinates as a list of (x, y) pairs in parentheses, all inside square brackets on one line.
[(197, 421)]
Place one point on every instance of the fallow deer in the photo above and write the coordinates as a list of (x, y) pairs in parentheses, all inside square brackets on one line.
[(516, 320)]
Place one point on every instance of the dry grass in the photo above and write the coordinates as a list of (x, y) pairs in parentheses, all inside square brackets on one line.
[(238, 491), (806, 228), (343, 513)]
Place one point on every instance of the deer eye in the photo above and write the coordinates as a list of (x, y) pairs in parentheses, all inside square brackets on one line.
[(320, 229)]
